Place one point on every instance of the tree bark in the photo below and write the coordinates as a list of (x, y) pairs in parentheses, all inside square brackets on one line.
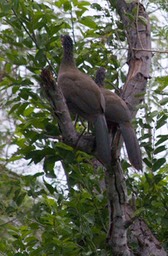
[(143, 237)]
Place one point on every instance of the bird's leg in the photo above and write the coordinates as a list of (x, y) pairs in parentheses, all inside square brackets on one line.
[(76, 119)]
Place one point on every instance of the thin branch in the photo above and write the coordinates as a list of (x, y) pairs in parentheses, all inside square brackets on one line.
[(149, 50), (9, 221), (72, 24), (143, 50)]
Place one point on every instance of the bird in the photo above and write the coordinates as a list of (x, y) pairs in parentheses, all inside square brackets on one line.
[(84, 97), (118, 113)]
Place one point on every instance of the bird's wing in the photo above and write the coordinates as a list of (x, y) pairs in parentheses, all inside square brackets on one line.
[(116, 109), (80, 92)]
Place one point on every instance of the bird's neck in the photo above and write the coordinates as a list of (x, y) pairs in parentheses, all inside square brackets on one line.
[(68, 59)]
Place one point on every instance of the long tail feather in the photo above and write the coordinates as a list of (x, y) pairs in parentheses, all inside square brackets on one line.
[(102, 140), (132, 145)]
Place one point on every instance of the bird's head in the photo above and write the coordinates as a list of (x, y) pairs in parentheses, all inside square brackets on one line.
[(67, 41), (100, 76)]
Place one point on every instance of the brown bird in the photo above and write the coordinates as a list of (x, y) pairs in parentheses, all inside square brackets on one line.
[(117, 112), (84, 98)]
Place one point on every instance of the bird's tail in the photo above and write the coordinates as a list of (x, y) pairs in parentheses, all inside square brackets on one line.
[(102, 140), (132, 145)]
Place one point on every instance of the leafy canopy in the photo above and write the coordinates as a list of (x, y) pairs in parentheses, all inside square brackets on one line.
[(40, 215)]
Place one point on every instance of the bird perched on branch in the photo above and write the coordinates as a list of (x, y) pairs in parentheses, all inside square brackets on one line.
[(84, 98), (117, 112)]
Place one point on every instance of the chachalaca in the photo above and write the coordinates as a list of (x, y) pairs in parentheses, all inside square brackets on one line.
[(84, 98), (117, 112)]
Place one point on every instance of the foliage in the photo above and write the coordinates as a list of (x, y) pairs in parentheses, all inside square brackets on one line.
[(37, 217)]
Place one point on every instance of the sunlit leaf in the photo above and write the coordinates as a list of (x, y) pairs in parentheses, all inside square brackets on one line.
[(88, 21), (28, 111)]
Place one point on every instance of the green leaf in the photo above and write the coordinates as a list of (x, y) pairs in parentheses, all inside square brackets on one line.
[(40, 57), (15, 4), (15, 107), (164, 101), (49, 163), (14, 158), (96, 6), (158, 163), (161, 121), (159, 149), (21, 108), (19, 199), (81, 4), (49, 187), (5, 7), (67, 6), (130, 16), (158, 178), (35, 156), (88, 21), (147, 162), (162, 138), (28, 42), (24, 94), (143, 20), (64, 146), (28, 111), (163, 81)]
